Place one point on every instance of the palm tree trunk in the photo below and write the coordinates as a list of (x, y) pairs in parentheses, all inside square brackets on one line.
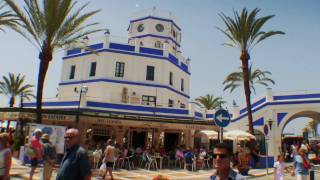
[(245, 69), (11, 103), (45, 58)]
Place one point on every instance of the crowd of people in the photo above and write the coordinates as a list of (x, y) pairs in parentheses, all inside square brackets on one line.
[(77, 161)]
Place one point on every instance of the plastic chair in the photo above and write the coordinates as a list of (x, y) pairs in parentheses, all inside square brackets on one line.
[(151, 162), (189, 162)]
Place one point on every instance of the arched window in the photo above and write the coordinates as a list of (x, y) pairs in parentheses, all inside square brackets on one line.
[(158, 44)]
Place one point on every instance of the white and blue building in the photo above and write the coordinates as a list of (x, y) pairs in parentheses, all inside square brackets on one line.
[(137, 89)]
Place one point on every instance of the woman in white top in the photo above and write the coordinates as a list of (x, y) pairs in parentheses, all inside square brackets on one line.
[(109, 157), (5, 157)]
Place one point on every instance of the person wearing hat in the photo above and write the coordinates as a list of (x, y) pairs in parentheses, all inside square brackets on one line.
[(48, 156), (37, 147)]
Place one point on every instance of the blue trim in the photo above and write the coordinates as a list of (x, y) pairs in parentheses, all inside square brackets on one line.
[(123, 52), (64, 103), (156, 36), (259, 122), (209, 116), (280, 117), (297, 96), (124, 82), (184, 67), (198, 114), (94, 47), (173, 59), (140, 114), (73, 51), (257, 103), (276, 103), (123, 47), (151, 51), (157, 18), (137, 108)]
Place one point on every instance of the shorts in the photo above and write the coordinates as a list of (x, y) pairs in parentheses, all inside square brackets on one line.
[(47, 171), (34, 162), (109, 164)]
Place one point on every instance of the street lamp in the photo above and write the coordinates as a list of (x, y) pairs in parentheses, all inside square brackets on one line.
[(83, 90), (270, 121)]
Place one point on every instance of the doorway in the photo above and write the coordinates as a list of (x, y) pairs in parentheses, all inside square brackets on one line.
[(171, 141), (138, 139)]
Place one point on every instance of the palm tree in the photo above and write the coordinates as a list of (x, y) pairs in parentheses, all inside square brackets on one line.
[(313, 125), (50, 25), (7, 19), (210, 102), (256, 77), (244, 32), (13, 86)]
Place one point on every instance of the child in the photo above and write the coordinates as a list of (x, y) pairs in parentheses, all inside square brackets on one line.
[(279, 167)]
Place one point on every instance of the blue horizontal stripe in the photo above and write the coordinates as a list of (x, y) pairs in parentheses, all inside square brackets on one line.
[(209, 116), (124, 82), (123, 52), (184, 67), (64, 103), (173, 59), (94, 47), (257, 103), (198, 114), (297, 96), (151, 51), (276, 103), (123, 47), (156, 36), (157, 18), (73, 51), (137, 108), (141, 114)]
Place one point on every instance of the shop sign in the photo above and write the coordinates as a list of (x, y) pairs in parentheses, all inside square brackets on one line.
[(58, 117), (9, 115), (108, 121)]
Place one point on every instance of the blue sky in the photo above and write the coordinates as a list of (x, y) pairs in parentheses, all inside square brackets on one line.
[(293, 58)]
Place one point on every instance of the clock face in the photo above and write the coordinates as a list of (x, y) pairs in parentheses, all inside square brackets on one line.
[(159, 27), (140, 28)]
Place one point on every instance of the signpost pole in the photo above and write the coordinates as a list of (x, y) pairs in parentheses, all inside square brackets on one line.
[(267, 159), (221, 134)]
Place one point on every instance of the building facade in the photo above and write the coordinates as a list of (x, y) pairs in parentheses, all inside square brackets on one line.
[(136, 92)]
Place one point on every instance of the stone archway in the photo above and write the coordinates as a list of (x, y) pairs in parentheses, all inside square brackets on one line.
[(308, 114), (282, 119)]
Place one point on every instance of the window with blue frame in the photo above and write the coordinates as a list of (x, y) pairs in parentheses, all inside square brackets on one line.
[(171, 78), (150, 73), (119, 69), (72, 72), (93, 68)]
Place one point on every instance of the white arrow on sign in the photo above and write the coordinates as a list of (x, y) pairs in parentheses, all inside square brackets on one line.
[(221, 118)]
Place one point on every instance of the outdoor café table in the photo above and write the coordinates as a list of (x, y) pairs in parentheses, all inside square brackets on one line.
[(160, 160)]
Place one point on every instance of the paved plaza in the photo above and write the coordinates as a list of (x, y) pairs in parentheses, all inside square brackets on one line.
[(19, 171)]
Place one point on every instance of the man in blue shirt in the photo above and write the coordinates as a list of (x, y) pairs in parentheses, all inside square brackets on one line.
[(222, 154), (75, 164)]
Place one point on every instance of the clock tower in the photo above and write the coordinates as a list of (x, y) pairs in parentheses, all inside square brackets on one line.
[(155, 29)]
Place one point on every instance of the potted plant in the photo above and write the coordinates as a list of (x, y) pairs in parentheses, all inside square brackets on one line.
[(160, 177)]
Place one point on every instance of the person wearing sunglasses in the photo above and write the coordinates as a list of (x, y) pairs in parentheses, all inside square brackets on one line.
[(75, 163), (222, 156)]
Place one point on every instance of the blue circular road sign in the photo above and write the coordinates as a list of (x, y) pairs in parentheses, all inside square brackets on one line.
[(222, 118)]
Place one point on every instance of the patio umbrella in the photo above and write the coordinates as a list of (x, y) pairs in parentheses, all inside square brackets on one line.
[(239, 135), (210, 134)]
